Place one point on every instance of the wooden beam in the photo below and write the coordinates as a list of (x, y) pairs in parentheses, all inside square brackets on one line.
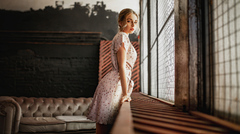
[(193, 53), (181, 55), (124, 122)]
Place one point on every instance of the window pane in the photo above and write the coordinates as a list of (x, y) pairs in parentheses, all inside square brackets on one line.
[(144, 49), (153, 21), (166, 62), (226, 64), (154, 70), (165, 7)]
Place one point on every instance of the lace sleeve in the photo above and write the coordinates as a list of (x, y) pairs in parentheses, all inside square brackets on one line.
[(119, 41)]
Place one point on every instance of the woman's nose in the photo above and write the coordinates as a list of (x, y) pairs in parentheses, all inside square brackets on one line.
[(133, 24)]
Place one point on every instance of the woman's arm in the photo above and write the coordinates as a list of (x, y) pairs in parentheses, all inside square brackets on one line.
[(121, 57)]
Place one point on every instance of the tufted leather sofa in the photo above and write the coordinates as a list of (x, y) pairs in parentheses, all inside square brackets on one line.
[(32, 115)]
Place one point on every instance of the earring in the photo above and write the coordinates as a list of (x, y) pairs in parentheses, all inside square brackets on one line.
[(119, 27)]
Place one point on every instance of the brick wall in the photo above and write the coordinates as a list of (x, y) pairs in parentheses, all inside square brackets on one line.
[(48, 69)]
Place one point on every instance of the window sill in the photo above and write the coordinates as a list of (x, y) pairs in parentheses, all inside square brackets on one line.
[(124, 121)]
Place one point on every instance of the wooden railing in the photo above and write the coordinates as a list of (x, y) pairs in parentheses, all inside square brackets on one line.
[(124, 122)]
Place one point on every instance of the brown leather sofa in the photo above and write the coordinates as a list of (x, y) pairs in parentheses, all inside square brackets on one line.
[(33, 115)]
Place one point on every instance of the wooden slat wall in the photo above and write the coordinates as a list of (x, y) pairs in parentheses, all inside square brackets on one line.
[(153, 116), (105, 62)]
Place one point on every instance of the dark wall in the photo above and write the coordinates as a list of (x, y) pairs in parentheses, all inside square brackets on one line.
[(67, 67), (53, 52)]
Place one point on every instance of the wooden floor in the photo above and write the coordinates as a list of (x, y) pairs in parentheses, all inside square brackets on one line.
[(152, 116)]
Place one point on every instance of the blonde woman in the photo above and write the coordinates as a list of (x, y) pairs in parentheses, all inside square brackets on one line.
[(116, 86)]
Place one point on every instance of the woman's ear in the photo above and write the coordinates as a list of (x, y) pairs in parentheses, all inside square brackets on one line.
[(120, 23)]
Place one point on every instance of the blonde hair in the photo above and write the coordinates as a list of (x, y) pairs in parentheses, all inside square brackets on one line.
[(122, 17)]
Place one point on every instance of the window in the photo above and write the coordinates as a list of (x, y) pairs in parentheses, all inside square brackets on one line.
[(144, 47), (226, 59), (157, 44)]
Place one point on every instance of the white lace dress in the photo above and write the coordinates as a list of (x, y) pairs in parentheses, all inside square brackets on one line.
[(106, 100)]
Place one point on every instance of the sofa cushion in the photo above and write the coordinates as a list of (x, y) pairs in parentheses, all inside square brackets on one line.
[(77, 122), (41, 124)]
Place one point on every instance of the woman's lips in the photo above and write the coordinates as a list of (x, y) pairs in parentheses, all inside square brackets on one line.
[(132, 29)]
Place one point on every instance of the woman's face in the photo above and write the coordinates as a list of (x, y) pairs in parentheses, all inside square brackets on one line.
[(131, 24)]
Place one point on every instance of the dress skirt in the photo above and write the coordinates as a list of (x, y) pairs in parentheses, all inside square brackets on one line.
[(106, 100)]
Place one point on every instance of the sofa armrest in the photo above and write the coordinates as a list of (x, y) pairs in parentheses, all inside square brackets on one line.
[(10, 114), (88, 102)]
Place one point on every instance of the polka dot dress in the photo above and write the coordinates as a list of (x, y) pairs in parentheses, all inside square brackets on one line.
[(106, 100)]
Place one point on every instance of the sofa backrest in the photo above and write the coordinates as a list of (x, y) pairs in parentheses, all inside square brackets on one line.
[(51, 107)]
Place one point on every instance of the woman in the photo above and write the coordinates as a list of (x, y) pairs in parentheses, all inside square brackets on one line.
[(116, 86)]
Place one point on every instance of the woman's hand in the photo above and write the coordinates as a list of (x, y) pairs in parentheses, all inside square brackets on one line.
[(126, 98)]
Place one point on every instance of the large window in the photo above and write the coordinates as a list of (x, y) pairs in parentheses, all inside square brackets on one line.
[(226, 59), (191, 60), (157, 47)]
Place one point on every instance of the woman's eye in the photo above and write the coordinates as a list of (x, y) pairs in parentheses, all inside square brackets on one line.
[(128, 21)]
